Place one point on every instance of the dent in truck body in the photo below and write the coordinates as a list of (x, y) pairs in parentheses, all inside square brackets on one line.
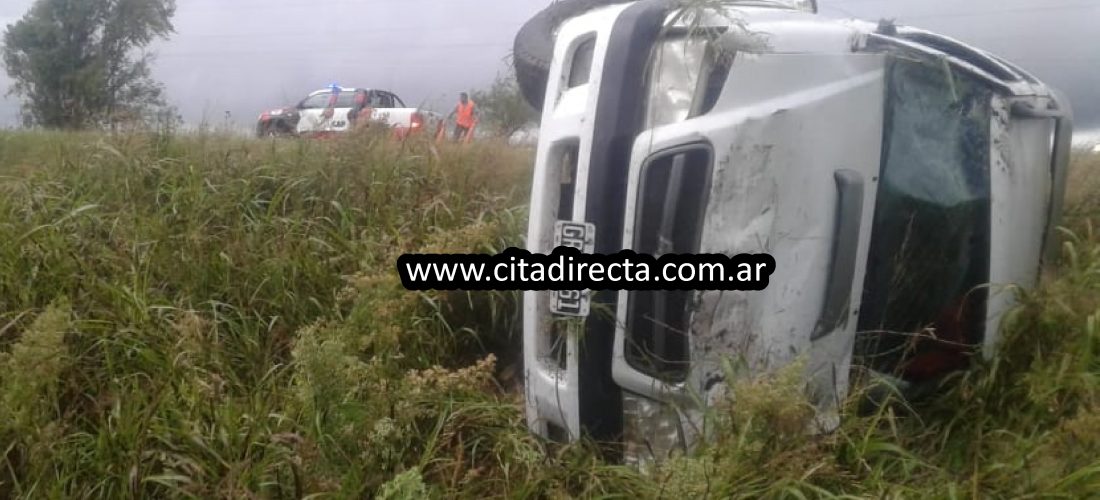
[(778, 144)]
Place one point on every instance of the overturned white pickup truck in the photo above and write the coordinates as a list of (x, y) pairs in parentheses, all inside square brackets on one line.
[(900, 179)]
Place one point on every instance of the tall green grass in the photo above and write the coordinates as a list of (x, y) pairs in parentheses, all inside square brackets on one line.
[(204, 317)]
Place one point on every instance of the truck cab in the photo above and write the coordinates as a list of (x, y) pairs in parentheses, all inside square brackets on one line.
[(905, 183)]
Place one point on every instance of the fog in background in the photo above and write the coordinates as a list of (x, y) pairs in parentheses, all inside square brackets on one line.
[(243, 56)]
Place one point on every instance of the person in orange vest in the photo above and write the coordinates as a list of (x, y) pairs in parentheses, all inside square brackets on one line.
[(465, 116)]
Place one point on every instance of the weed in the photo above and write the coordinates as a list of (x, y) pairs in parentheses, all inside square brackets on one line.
[(207, 317)]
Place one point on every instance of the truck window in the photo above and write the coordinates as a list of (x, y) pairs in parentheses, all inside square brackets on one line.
[(317, 101), (346, 99), (686, 78), (580, 67), (929, 253), (382, 100)]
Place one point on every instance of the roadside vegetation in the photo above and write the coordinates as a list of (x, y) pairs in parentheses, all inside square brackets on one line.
[(204, 317), (504, 110)]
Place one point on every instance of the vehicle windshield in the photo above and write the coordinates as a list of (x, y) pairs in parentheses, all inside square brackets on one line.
[(346, 99)]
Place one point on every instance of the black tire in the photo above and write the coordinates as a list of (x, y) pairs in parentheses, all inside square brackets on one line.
[(534, 45), (274, 129)]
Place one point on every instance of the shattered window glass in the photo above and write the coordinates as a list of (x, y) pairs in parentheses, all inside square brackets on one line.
[(686, 76), (930, 241), (676, 69)]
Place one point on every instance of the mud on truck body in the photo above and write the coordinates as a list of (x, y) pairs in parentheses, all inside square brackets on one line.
[(902, 181)]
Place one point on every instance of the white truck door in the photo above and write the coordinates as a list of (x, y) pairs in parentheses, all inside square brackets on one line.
[(318, 116), (311, 112)]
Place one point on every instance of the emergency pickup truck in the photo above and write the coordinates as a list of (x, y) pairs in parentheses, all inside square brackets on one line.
[(337, 109)]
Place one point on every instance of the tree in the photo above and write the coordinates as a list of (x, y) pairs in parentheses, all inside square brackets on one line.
[(503, 109), (80, 63)]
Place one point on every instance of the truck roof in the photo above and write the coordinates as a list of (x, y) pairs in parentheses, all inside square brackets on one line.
[(348, 89)]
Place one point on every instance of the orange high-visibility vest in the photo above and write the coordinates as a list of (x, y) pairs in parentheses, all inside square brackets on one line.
[(464, 115)]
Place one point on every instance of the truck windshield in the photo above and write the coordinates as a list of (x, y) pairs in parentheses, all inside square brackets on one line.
[(346, 99)]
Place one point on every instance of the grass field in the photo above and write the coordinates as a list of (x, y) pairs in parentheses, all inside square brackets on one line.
[(220, 318)]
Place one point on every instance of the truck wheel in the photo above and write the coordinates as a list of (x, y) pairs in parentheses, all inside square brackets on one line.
[(273, 129), (534, 46)]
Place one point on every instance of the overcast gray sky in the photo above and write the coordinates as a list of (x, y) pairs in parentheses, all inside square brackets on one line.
[(243, 56)]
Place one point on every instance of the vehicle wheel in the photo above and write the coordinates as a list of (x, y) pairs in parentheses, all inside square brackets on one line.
[(534, 46), (277, 129)]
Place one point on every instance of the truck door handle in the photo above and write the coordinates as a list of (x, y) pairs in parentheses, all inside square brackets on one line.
[(842, 269)]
